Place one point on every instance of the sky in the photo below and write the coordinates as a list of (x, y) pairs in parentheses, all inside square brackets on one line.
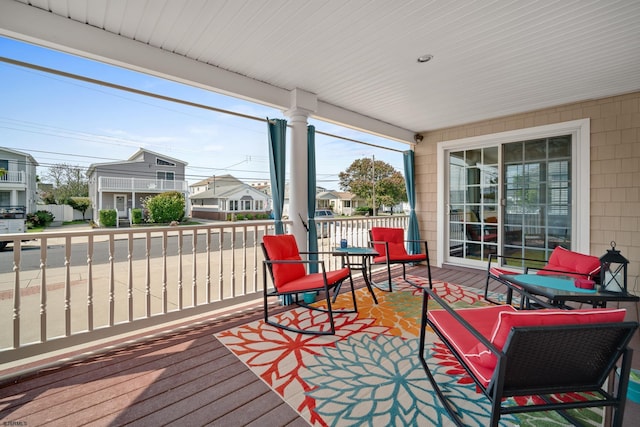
[(61, 120)]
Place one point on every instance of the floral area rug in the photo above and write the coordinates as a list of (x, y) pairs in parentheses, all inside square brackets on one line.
[(369, 372)]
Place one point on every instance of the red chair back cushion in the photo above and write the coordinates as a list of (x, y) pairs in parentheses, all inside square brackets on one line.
[(569, 261), (547, 317), (395, 238), (283, 247)]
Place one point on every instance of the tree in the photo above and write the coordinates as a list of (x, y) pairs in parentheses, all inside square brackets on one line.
[(389, 183), (68, 181), (79, 203)]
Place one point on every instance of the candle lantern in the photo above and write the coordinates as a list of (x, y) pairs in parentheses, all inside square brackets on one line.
[(613, 271)]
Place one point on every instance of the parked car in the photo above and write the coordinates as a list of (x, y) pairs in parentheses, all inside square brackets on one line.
[(323, 227)]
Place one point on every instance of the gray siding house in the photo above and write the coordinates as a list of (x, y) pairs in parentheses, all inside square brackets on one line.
[(217, 196), (18, 180), (125, 184)]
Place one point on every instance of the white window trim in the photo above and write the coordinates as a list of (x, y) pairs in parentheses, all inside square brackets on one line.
[(580, 166)]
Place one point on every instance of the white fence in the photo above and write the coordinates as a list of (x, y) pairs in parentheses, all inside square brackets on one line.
[(65, 213)]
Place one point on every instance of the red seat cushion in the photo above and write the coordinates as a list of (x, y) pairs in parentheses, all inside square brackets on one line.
[(395, 239), (314, 281), (283, 247), (570, 262), (483, 319)]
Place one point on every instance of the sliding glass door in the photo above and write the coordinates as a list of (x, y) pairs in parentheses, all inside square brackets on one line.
[(512, 198)]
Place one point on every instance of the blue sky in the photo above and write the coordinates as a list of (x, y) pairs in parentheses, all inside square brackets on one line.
[(60, 120)]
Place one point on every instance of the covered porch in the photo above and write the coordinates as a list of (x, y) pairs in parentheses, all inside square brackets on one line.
[(178, 374), (499, 70)]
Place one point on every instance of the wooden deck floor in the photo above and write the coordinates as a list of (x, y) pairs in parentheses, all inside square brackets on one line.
[(185, 376)]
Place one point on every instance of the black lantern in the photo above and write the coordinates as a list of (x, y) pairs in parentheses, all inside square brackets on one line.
[(613, 271)]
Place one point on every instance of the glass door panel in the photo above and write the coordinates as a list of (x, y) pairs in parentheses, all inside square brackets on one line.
[(537, 192), (473, 203)]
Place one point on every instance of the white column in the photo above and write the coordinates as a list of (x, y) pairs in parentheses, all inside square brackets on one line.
[(302, 104)]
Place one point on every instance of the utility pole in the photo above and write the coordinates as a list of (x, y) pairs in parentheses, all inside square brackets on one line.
[(373, 178)]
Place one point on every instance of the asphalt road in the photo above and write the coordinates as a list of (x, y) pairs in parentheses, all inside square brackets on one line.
[(30, 256)]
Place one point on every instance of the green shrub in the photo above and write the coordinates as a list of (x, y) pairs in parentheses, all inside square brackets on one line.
[(108, 217), (364, 210), (240, 217), (40, 218), (136, 216), (166, 207)]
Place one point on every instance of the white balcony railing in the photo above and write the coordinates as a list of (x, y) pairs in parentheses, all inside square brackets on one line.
[(13, 177), (72, 287), (110, 183)]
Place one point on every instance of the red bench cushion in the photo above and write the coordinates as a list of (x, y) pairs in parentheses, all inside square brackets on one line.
[(572, 262), (483, 319)]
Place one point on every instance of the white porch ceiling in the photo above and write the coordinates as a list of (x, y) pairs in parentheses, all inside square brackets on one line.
[(491, 58)]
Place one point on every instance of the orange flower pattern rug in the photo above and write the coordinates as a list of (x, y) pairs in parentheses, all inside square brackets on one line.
[(369, 372)]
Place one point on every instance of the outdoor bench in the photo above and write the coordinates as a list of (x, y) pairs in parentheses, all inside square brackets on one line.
[(561, 262), (509, 352)]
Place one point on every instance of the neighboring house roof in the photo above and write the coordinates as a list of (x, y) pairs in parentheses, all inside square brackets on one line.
[(136, 157), (222, 187), (20, 153), (326, 195), (334, 195)]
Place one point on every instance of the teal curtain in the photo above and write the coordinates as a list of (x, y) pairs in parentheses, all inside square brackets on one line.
[(413, 233), (277, 158), (311, 196)]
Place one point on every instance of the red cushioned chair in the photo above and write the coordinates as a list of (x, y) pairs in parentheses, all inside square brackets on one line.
[(289, 276), (390, 245), (509, 352)]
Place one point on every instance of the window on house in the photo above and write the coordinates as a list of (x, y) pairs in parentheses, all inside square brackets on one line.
[(233, 205), (346, 203), (169, 176), (163, 162)]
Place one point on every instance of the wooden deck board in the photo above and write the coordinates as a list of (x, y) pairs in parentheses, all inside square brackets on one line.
[(187, 377)]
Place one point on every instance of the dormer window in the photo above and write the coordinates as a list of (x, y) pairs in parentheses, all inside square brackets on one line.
[(163, 162)]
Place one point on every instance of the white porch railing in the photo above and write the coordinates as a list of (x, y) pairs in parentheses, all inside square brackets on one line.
[(110, 183), (72, 287), (13, 177)]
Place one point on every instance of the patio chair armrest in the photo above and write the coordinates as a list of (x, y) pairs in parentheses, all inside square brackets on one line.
[(431, 294)]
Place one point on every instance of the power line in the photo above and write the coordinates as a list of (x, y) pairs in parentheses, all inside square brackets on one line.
[(168, 98)]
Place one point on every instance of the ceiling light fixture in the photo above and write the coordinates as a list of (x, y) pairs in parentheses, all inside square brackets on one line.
[(425, 58)]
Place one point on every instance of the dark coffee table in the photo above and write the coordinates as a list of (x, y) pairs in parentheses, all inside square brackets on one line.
[(558, 290), (359, 258)]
